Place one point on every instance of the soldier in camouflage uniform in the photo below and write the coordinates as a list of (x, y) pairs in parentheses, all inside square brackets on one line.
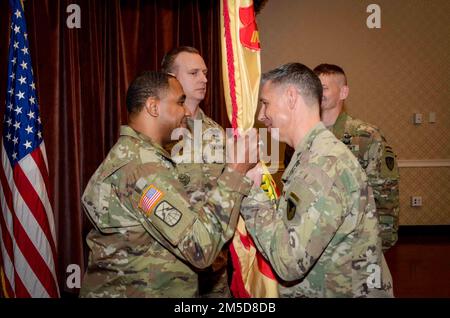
[(368, 144), (150, 237), (322, 239), (187, 65)]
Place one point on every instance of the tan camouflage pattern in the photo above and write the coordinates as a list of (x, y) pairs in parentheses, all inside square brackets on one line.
[(200, 150), (379, 161), (159, 252), (213, 281), (323, 238)]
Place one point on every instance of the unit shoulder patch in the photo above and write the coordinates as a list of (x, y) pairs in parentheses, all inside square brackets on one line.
[(168, 213), (390, 162)]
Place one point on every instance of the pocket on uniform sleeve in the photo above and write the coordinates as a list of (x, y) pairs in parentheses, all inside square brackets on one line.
[(164, 207)]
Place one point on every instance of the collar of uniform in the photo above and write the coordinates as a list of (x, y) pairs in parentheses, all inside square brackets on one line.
[(200, 114), (190, 121), (126, 130), (304, 144), (339, 125)]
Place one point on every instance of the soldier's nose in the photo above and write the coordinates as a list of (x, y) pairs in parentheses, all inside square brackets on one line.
[(261, 115)]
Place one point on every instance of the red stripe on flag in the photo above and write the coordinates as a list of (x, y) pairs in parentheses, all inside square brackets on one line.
[(34, 203), (230, 63)]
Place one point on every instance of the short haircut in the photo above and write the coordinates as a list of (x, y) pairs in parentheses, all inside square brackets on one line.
[(168, 61), (329, 69), (147, 84), (301, 76)]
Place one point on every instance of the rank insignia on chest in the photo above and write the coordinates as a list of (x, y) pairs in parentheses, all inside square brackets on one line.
[(291, 208), (347, 138), (184, 179), (149, 198)]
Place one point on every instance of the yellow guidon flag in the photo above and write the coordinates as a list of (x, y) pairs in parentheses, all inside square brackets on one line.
[(253, 275), (240, 61)]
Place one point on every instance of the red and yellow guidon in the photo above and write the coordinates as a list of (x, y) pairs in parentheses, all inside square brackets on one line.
[(248, 33)]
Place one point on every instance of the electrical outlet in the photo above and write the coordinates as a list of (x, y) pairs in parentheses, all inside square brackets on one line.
[(417, 118), (416, 201)]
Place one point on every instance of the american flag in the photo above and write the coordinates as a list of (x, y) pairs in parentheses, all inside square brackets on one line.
[(27, 229), (150, 198)]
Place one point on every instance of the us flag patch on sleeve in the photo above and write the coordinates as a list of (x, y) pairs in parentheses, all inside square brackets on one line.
[(150, 197)]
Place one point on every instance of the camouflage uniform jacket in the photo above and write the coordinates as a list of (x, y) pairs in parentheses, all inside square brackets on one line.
[(322, 239), (150, 238), (213, 281), (378, 160), (208, 146)]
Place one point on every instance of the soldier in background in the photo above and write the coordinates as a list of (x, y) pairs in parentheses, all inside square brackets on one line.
[(188, 66), (367, 143), (149, 240), (322, 239)]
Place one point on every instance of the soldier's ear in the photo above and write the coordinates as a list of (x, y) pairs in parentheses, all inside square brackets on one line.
[(344, 92), (152, 107), (291, 96)]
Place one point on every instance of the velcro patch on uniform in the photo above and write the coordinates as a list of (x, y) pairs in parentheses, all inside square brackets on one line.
[(292, 202), (390, 163), (150, 197), (168, 213)]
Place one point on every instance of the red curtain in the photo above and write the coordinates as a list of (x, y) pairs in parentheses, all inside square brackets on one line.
[(81, 79)]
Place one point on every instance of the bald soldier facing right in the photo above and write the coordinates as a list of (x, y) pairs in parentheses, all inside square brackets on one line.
[(322, 239)]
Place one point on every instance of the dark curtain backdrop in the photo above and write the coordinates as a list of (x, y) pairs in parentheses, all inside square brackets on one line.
[(82, 76)]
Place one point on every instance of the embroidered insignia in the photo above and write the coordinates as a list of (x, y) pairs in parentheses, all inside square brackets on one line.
[(291, 207), (347, 139), (149, 198), (364, 163), (292, 202), (184, 179), (166, 212)]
